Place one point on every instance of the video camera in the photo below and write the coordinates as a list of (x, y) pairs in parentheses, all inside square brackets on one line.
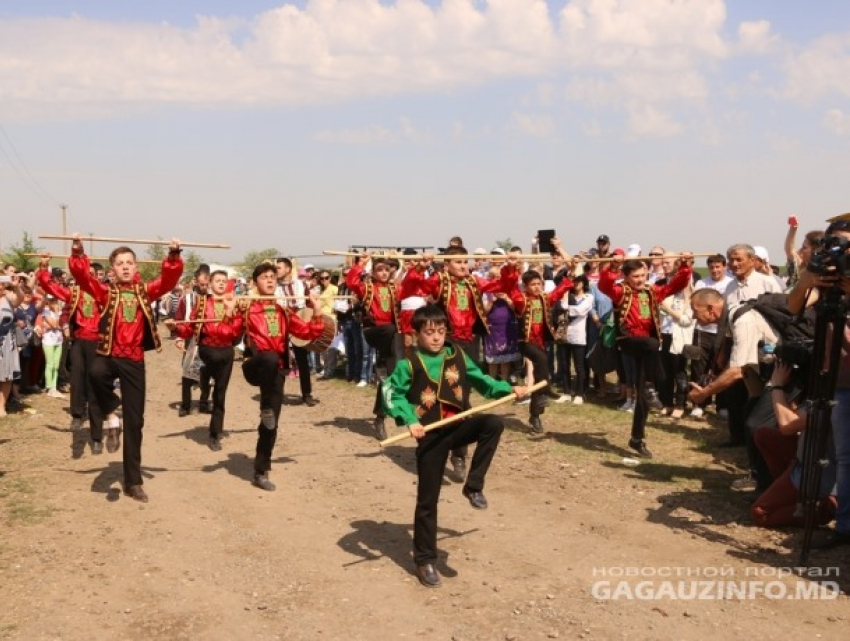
[(831, 257)]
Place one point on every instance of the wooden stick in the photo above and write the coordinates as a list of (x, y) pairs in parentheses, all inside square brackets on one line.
[(464, 414), (397, 256), (609, 259), (304, 297), (130, 241), (95, 259)]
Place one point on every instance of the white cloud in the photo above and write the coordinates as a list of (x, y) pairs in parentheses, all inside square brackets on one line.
[(372, 134), (646, 121), (333, 50), (837, 122), (821, 69), (533, 125), (756, 37)]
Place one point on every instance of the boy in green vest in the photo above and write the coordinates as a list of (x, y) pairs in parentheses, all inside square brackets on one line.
[(431, 385)]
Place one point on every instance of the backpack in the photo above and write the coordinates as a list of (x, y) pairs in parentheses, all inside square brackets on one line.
[(790, 328), (562, 323)]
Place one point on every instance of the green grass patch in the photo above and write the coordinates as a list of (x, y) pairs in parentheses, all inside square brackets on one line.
[(21, 503)]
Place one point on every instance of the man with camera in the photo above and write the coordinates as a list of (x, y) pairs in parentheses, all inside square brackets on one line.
[(830, 268)]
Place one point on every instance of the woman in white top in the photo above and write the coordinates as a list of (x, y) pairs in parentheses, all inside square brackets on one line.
[(575, 309), (51, 343)]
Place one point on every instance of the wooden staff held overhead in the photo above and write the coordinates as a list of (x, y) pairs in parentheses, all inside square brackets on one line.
[(608, 259), (398, 256), (130, 241), (465, 414), (95, 259)]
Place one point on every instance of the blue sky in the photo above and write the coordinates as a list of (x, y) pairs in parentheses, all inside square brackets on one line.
[(316, 124)]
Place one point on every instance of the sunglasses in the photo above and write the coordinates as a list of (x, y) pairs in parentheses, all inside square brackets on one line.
[(324, 277), (655, 254)]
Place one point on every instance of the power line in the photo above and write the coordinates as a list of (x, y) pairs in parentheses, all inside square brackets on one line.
[(32, 183)]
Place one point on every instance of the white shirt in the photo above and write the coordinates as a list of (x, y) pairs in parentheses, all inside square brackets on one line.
[(577, 329), (740, 291)]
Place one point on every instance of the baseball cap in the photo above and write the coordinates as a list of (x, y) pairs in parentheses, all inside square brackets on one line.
[(603, 238), (633, 250), (498, 250), (761, 252), (308, 266), (56, 272), (480, 250), (409, 251), (618, 252)]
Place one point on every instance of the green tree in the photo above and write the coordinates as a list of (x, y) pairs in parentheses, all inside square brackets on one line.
[(16, 254), (254, 258), (505, 244), (191, 261), (149, 271)]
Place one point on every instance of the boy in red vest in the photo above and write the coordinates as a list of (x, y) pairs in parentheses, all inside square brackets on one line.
[(126, 330)]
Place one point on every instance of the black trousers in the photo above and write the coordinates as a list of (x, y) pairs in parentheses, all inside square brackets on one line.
[(540, 364), (567, 352), (647, 363), (131, 374), (263, 370), (218, 362), (302, 361), (738, 398), (82, 355), (382, 339), (431, 454)]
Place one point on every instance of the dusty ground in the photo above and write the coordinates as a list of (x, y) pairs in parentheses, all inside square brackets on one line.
[(328, 554)]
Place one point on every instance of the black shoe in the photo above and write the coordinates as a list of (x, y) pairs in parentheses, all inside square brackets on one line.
[(309, 401), (536, 425), (183, 411), (735, 442), (476, 498), (136, 493), (76, 423), (204, 407), (459, 468), (428, 575), (380, 428), (96, 447), (262, 481), (215, 444), (833, 540), (639, 446)]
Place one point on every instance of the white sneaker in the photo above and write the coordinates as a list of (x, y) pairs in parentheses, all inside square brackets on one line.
[(563, 398), (54, 393), (629, 405), (697, 412), (523, 402), (578, 400), (362, 384), (631, 409)]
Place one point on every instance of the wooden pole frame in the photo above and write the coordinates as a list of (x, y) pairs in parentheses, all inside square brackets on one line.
[(130, 241)]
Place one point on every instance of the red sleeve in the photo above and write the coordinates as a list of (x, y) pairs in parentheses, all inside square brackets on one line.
[(353, 282), (172, 269), (558, 293), (608, 285), (78, 264), (51, 286), (306, 330), (677, 284), (415, 280)]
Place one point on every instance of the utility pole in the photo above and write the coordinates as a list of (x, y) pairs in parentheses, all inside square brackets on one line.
[(65, 224)]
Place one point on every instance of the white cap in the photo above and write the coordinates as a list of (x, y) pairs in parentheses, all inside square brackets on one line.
[(497, 250), (761, 253), (480, 250), (308, 266), (633, 250)]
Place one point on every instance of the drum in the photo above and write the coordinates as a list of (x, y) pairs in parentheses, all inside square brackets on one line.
[(324, 341)]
